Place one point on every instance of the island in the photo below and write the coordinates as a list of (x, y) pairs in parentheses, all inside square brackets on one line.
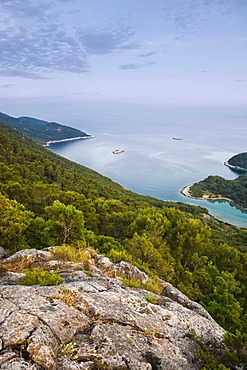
[(216, 187)]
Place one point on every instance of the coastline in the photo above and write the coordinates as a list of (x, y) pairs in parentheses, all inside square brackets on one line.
[(186, 192), (235, 168), (69, 139)]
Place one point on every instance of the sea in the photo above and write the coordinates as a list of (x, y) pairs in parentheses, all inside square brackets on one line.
[(154, 162)]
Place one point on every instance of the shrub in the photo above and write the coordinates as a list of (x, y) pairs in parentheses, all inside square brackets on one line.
[(151, 286), (69, 297), (150, 298), (40, 276), (71, 253), (88, 273), (69, 349), (117, 256)]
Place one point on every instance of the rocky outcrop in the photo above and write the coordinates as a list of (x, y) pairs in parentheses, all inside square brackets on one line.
[(96, 322), (3, 253)]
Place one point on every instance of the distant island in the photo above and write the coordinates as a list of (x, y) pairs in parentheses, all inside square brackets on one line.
[(44, 132), (216, 187)]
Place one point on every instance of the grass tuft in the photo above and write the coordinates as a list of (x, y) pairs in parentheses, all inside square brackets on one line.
[(38, 276)]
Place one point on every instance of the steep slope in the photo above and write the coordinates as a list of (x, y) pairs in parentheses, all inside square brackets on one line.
[(42, 131), (95, 322), (203, 258)]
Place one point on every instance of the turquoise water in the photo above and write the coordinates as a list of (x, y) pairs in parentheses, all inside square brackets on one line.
[(155, 164)]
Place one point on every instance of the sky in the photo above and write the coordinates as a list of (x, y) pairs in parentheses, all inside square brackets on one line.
[(64, 55)]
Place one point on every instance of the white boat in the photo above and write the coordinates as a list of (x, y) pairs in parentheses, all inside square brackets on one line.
[(118, 151), (177, 138)]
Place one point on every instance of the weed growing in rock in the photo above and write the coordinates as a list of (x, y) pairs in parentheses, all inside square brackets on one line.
[(69, 297), (88, 273), (2, 268), (69, 350), (151, 286), (71, 253), (39, 276), (150, 298)]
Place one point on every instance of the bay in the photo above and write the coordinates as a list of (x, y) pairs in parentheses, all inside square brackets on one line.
[(153, 163)]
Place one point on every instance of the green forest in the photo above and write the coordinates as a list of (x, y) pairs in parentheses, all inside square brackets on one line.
[(39, 130), (216, 186), (235, 190), (239, 160), (48, 200)]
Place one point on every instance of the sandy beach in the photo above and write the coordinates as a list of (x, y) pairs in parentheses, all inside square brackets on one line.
[(186, 192)]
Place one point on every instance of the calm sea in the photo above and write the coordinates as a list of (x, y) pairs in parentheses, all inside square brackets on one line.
[(153, 162)]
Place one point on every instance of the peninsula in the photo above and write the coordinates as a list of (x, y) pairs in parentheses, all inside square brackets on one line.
[(187, 191), (43, 132), (70, 139), (237, 163), (216, 187)]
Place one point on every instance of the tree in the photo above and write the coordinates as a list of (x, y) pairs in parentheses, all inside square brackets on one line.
[(68, 218), (41, 233), (14, 220)]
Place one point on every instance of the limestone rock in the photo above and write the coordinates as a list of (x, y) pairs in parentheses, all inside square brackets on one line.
[(125, 270), (95, 322), (29, 255), (173, 293), (102, 262), (3, 253)]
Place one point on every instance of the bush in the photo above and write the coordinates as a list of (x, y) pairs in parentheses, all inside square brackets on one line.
[(117, 256), (150, 298), (70, 253), (42, 277), (152, 286)]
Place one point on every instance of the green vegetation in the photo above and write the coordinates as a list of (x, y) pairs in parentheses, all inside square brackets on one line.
[(47, 200), (40, 276), (239, 160), (70, 350), (150, 298), (217, 187), (152, 286), (71, 253), (41, 131), (235, 190), (69, 219)]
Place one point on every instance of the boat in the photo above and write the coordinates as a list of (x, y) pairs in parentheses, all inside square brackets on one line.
[(118, 151), (177, 138)]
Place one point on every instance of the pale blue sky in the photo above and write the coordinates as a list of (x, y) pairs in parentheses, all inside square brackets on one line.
[(165, 52)]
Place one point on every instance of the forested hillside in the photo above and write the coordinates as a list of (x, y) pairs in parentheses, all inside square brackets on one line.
[(41, 131), (239, 160), (47, 200), (216, 186)]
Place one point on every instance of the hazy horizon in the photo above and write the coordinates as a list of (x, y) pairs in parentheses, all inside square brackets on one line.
[(59, 57)]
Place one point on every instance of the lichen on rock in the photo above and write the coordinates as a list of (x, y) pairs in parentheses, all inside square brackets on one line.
[(95, 322)]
